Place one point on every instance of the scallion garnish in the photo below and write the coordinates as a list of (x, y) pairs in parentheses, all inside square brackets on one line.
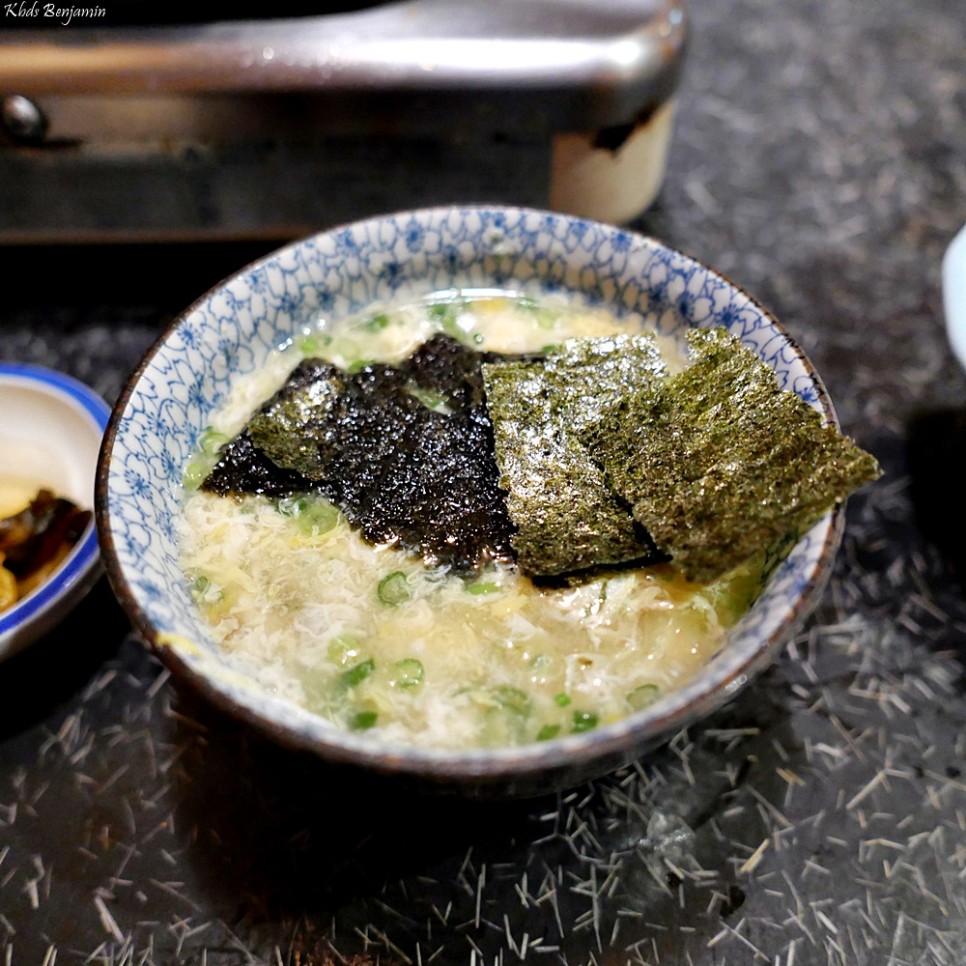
[(394, 589), (358, 672), (362, 720), (407, 673)]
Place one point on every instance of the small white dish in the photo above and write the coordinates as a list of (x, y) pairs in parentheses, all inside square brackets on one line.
[(50, 435), (954, 294)]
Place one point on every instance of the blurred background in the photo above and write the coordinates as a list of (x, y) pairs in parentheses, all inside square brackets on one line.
[(816, 154)]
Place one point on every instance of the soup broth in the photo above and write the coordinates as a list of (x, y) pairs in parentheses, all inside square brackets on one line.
[(376, 641)]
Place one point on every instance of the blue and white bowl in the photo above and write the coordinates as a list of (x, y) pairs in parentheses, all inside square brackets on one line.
[(57, 424), (230, 331)]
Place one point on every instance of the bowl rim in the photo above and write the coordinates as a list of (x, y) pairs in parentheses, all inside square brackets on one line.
[(611, 745), (85, 554)]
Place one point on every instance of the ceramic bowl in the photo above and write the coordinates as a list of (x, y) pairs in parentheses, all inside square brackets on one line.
[(954, 294), (51, 432), (231, 330)]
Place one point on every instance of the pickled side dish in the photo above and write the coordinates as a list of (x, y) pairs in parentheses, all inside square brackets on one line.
[(37, 531)]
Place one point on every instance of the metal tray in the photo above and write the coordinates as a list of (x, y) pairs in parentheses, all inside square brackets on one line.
[(111, 127)]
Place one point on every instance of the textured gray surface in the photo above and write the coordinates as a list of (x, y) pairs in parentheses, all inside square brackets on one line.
[(820, 160)]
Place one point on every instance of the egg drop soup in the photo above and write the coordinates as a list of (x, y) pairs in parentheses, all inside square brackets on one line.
[(395, 644)]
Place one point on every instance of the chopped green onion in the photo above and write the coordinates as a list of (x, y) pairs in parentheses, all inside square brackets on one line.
[(360, 364), (314, 515), (196, 471), (362, 720), (446, 315), (431, 400), (377, 322), (309, 345), (440, 311), (482, 587), (212, 441), (561, 700), (512, 699), (358, 672), (409, 673), (548, 731), (394, 589), (643, 696), (319, 517), (343, 649), (204, 591), (290, 506), (584, 721)]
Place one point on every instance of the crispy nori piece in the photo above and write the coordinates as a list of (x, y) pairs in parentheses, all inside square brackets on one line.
[(296, 429), (567, 518), (399, 470), (244, 467), (592, 375), (447, 367), (718, 462)]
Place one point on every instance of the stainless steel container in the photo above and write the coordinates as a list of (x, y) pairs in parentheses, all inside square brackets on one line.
[(119, 128)]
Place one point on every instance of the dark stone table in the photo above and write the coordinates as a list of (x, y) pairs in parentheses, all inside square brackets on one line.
[(819, 159)]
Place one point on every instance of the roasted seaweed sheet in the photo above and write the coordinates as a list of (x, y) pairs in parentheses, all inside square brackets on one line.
[(566, 516), (405, 451), (718, 462), (593, 456)]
